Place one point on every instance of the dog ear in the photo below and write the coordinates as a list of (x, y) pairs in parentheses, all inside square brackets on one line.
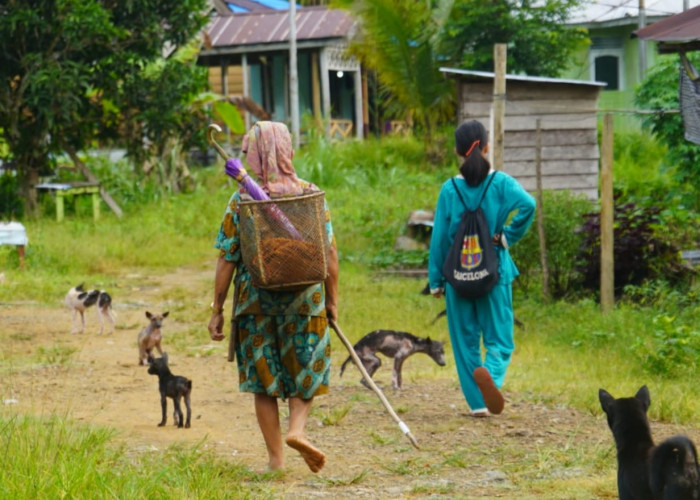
[(606, 400), (643, 396), (165, 314), (149, 315), (165, 357)]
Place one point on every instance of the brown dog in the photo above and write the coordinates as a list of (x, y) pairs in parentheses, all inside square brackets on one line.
[(150, 337), (397, 345)]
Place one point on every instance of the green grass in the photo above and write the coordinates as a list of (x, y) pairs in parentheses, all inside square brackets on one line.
[(54, 458), (565, 353)]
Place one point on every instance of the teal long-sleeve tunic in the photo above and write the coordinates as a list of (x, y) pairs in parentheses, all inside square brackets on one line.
[(505, 195)]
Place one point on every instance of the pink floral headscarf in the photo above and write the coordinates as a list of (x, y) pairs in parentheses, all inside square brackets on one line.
[(268, 149)]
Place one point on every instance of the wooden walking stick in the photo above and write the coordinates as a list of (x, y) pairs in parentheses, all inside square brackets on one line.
[(404, 428)]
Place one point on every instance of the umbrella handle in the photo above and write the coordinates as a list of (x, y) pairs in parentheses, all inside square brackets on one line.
[(404, 428), (210, 135)]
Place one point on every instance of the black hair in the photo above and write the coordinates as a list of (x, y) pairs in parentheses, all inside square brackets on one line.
[(475, 167)]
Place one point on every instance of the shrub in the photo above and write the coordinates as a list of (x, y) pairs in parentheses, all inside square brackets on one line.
[(11, 204), (639, 254), (659, 90), (563, 215), (672, 350)]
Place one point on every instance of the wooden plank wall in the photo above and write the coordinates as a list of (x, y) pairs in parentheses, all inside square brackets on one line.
[(235, 80), (569, 131)]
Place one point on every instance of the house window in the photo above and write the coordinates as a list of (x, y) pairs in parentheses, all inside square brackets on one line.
[(606, 62), (607, 69)]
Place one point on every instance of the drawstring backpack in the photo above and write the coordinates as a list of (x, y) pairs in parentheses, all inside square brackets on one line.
[(471, 265)]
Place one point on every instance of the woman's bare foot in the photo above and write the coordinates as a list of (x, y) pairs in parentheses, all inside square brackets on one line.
[(313, 457), (274, 466)]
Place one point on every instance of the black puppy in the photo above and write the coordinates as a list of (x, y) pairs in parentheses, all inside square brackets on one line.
[(674, 470), (397, 345), (171, 386), (668, 471)]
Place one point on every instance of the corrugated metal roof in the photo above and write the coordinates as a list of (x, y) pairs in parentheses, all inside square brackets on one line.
[(487, 75), (683, 27), (265, 27)]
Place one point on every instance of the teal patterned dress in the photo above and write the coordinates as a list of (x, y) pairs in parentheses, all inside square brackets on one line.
[(281, 338)]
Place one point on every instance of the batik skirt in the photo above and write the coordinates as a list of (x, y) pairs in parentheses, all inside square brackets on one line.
[(283, 356)]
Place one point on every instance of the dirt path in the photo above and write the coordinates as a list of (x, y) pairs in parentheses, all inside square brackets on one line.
[(95, 379)]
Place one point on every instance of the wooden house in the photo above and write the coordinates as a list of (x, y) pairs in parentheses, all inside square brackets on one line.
[(614, 55), (247, 49), (567, 114)]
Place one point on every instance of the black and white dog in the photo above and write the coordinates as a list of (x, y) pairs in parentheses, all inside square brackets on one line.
[(78, 300), (645, 471)]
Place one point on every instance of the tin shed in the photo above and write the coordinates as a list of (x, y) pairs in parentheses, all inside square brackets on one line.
[(567, 111)]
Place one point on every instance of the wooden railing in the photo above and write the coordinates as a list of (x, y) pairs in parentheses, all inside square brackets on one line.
[(341, 129)]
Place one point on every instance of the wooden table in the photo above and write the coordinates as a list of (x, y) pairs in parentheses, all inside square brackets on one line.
[(14, 233), (73, 189)]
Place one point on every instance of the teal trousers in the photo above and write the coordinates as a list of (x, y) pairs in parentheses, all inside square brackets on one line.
[(486, 321)]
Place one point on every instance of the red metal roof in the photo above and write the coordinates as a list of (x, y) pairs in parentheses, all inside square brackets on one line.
[(253, 28), (683, 27)]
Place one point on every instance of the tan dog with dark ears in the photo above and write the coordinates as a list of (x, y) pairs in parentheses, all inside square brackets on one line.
[(151, 337)]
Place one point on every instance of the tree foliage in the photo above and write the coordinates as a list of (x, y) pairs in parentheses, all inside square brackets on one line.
[(659, 91), (70, 68), (399, 40), (539, 42)]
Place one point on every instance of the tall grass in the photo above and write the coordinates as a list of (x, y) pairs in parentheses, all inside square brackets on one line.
[(54, 458)]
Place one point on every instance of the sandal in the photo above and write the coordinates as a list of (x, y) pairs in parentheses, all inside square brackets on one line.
[(481, 413), (492, 396)]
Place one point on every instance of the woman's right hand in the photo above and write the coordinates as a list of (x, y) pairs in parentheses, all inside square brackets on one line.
[(216, 326)]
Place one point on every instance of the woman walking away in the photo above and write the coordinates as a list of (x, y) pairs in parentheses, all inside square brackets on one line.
[(489, 318), (281, 338)]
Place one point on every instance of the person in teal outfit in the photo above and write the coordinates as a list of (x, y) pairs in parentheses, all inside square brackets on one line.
[(509, 210), (281, 338)]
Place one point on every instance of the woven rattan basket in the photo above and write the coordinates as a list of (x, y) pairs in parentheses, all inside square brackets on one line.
[(280, 259)]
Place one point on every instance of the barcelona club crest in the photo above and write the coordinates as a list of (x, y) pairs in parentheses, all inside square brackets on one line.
[(471, 252)]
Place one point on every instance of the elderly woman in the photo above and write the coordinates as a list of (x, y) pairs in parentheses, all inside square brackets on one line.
[(281, 338)]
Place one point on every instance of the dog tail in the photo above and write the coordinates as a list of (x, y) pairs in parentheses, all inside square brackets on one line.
[(342, 367), (674, 469)]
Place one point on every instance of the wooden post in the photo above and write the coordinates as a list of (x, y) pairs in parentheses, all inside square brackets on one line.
[(246, 86), (499, 103), (325, 93), (607, 206), (59, 206), (293, 74), (316, 90), (540, 213), (96, 206)]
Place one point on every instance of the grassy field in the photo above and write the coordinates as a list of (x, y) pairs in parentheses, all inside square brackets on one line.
[(565, 352)]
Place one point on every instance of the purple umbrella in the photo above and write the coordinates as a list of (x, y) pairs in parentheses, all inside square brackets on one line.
[(234, 168)]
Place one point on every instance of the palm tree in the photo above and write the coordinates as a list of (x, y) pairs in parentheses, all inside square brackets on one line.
[(398, 41)]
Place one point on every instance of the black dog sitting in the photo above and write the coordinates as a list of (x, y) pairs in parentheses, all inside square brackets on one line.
[(644, 471), (171, 386)]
